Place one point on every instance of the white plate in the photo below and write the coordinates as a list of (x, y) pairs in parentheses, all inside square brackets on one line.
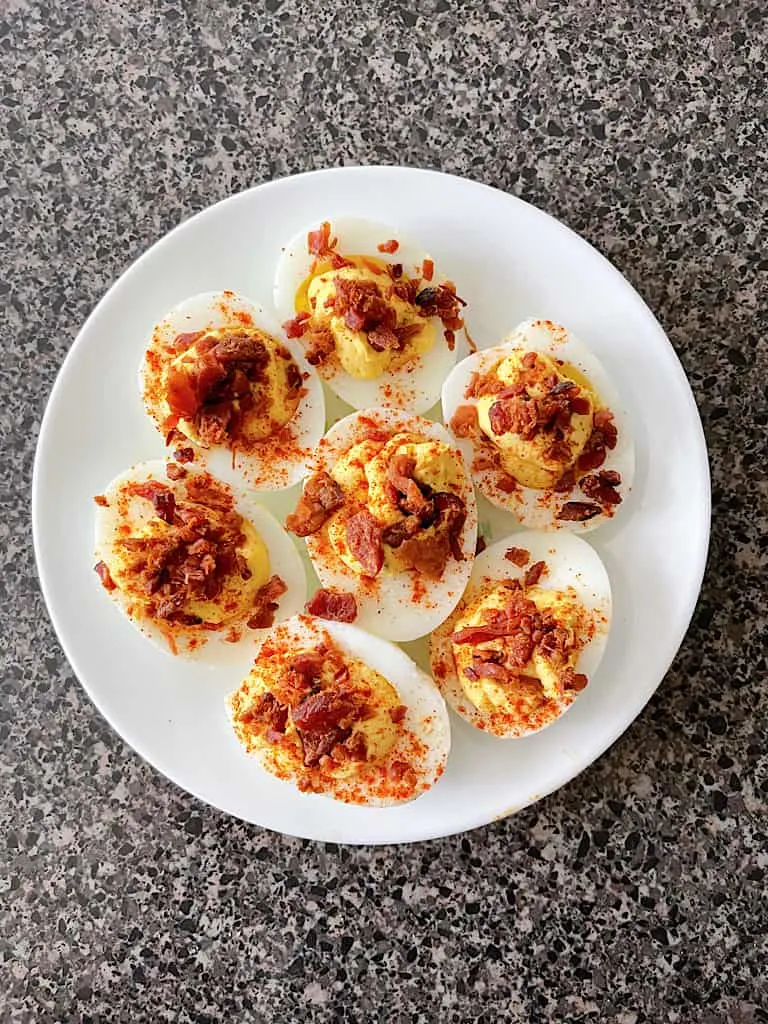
[(510, 262)]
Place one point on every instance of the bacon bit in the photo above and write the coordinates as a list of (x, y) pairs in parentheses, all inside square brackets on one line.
[(322, 497), (602, 487), (205, 490), (518, 556), (395, 270), (426, 555), (394, 534), (427, 270), (362, 307), (364, 538), (530, 360), (184, 455), (591, 458), (323, 247), (390, 246), (356, 747), (442, 302), (534, 574), (320, 243), (175, 436), (332, 604), (100, 499), (578, 511), (480, 544), (174, 471), (295, 328), (507, 484), (603, 421), (319, 345), (267, 711), (102, 571), (566, 482), (408, 494), (580, 406), (571, 680), (165, 506), (397, 714), (489, 670), (184, 341), (265, 603)]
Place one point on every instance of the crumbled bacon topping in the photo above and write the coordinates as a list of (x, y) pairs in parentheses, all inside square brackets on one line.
[(266, 603), (364, 539), (322, 497), (441, 301), (534, 574), (505, 642), (195, 557), (174, 471), (336, 605), (518, 556), (223, 384), (516, 412), (601, 486), (464, 421), (390, 246), (603, 438), (102, 571), (578, 511), (296, 327), (322, 245)]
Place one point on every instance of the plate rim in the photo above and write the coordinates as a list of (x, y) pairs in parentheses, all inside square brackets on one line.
[(700, 457)]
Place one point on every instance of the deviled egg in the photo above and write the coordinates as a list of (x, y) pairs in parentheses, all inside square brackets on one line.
[(371, 311), (190, 561), (339, 712), (389, 516), (543, 429), (528, 634), (226, 390)]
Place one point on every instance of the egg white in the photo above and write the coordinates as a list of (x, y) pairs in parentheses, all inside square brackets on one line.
[(571, 562), (415, 387), (388, 606), (284, 560), (263, 466), (527, 504), (426, 714)]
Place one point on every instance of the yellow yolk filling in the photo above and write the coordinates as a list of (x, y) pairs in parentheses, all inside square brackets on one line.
[(362, 474), (275, 401), (369, 689), (237, 595), (491, 695), (356, 356), (528, 461)]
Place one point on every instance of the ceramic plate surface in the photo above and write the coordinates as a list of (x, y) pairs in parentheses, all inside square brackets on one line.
[(509, 261)]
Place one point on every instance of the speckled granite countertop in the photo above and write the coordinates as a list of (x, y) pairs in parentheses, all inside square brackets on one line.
[(636, 894)]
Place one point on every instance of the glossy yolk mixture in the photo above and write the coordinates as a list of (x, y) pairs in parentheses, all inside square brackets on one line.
[(540, 678), (538, 461), (357, 357), (362, 473)]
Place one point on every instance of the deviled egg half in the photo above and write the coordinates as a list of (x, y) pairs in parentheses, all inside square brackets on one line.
[(190, 561), (389, 516), (342, 713), (226, 390), (371, 311), (543, 429), (528, 634)]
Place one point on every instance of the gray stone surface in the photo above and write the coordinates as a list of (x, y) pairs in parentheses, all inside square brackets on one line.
[(636, 894)]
